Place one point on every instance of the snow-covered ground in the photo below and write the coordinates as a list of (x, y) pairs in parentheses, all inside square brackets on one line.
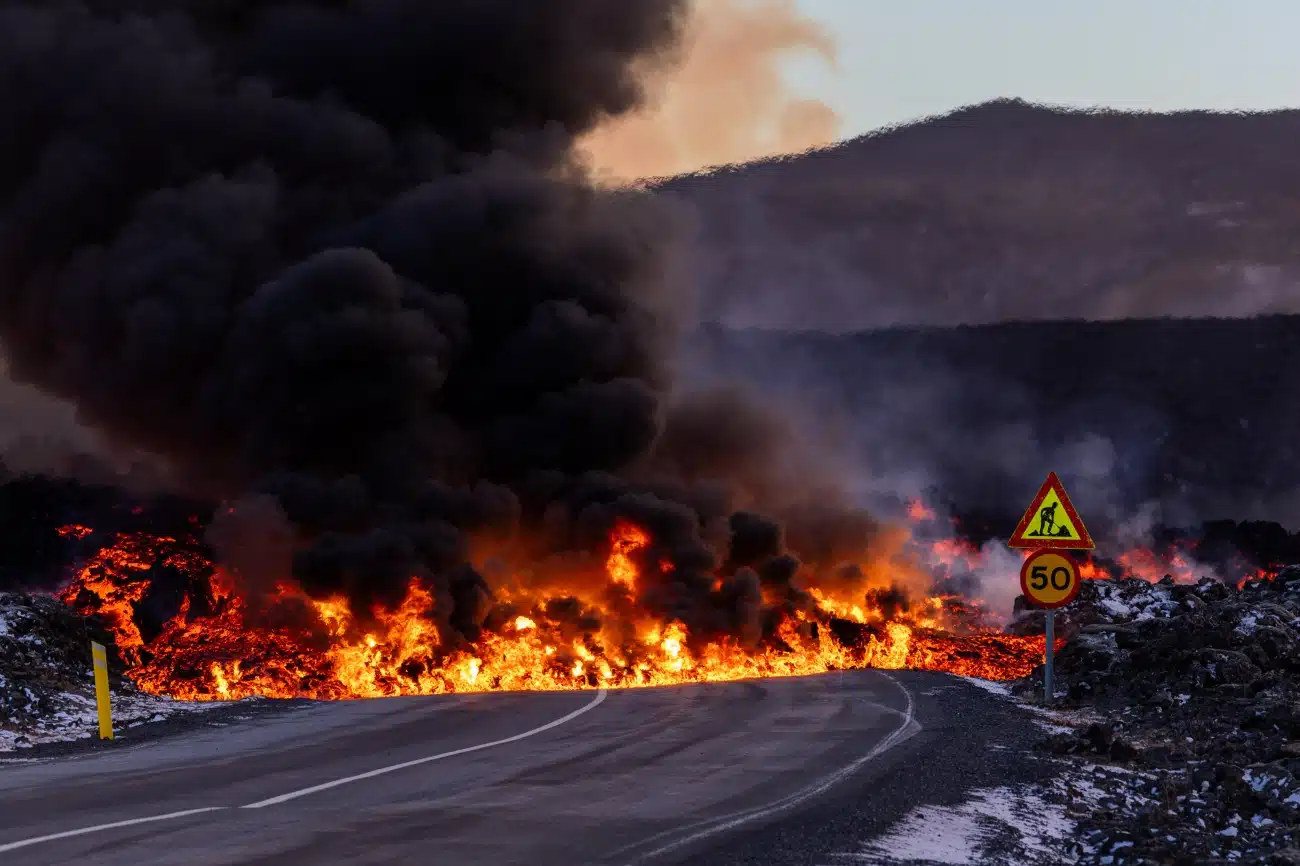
[(72, 715), (994, 826), (47, 689), (1023, 825)]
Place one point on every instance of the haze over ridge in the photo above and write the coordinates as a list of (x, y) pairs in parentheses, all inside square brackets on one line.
[(1007, 211)]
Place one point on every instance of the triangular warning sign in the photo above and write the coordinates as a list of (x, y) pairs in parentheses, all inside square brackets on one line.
[(1051, 521)]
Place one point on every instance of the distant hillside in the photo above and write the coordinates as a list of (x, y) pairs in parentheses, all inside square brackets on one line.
[(1009, 211), (1197, 415)]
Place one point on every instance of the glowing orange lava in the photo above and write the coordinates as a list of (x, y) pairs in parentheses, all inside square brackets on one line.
[(224, 645)]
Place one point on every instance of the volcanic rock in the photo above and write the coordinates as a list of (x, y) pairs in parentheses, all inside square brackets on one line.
[(47, 690), (1197, 686)]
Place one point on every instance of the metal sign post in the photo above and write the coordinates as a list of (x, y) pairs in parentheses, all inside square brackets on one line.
[(1049, 579), (1047, 664)]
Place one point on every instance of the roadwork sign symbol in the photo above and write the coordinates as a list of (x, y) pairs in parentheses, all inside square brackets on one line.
[(1049, 579), (1051, 521)]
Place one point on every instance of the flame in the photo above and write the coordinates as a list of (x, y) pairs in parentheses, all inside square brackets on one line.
[(956, 552), (226, 642), (118, 577), (918, 511), (627, 539), (1090, 570), (1148, 565), (1177, 562)]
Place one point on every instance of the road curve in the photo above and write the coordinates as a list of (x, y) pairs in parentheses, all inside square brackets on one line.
[(558, 779)]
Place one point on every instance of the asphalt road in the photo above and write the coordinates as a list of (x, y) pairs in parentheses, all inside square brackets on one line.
[(773, 772)]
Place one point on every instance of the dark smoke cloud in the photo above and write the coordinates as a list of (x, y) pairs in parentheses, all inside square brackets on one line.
[(336, 263), (334, 252)]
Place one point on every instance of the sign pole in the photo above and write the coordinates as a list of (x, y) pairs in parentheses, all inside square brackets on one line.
[(100, 658), (1047, 667), (1049, 579)]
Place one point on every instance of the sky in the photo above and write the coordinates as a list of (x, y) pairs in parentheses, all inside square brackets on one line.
[(899, 60)]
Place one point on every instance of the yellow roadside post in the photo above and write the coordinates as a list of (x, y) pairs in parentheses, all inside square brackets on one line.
[(100, 657)]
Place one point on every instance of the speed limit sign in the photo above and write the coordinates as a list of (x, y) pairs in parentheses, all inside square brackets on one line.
[(1049, 579)]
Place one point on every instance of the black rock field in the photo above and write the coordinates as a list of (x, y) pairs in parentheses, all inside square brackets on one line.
[(46, 681), (1193, 689)]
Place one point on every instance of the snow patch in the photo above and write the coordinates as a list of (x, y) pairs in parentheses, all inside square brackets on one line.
[(73, 716), (1115, 607), (991, 686), (996, 826)]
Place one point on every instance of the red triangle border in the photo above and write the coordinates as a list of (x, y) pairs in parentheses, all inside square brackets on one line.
[(1018, 539)]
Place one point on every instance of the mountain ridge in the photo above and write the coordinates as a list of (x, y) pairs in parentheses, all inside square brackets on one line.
[(1006, 210)]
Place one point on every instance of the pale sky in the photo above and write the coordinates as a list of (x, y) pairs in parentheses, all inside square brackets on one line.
[(904, 59)]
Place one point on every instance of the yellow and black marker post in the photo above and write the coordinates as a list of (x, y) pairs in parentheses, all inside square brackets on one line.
[(100, 657)]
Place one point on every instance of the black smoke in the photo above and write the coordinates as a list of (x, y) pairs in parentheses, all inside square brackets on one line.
[(337, 257)]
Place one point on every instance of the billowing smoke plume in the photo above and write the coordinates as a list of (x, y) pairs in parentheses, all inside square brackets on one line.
[(722, 98), (334, 261)]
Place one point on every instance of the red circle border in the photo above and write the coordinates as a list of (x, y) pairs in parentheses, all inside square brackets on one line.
[(1024, 579)]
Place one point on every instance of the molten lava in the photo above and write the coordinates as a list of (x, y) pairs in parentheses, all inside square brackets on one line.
[(221, 639), (225, 642)]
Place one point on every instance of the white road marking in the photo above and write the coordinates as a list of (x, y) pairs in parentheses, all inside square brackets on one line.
[(67, 834), (728, 822), (82, 831), (293, 795)]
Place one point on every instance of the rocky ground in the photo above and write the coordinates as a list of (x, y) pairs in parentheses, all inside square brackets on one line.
[(1192, 693), (47, 690)]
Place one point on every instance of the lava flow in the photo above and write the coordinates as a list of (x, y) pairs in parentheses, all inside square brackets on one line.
[(222, 644)]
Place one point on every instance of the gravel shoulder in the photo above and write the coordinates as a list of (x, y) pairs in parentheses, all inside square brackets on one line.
[(971, 787)]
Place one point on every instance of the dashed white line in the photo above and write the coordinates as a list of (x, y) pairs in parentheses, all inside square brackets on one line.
[(293, 795), (325, 786), (67, 834)]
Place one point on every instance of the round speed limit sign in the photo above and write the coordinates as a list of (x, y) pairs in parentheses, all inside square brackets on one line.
[(1049, 579)]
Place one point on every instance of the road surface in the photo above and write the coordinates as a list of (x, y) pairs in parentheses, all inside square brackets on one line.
[(725, 773)]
